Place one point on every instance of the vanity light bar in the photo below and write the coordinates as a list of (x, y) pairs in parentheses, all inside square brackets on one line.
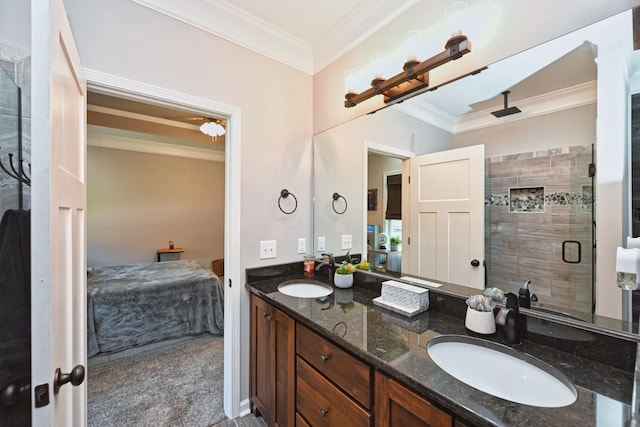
[(414, 77)]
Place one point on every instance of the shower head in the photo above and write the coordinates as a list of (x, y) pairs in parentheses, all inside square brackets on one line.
[(506, 111)]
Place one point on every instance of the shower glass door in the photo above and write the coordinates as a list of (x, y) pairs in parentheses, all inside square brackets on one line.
[(540, 227)]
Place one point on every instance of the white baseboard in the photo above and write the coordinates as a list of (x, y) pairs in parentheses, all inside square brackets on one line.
[(245, 407)]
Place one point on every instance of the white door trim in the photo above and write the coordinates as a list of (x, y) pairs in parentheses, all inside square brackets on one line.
[(111, 84)]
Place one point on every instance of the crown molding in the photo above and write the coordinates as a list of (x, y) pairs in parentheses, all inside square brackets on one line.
[(106, 140), (426, 112), (563, 99), (223, 19), (354, 28), (559, 100)]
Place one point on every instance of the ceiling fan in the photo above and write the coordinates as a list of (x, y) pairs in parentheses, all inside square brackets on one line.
[(211, 127)]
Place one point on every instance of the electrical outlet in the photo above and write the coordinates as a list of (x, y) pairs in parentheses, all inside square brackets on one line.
[(320, 244), (302, 245), (267, 249), (346, 241)]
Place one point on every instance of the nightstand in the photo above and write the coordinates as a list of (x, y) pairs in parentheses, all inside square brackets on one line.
[(160, 252)]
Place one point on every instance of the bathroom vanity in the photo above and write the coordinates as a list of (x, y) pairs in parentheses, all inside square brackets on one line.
[(341, 360)]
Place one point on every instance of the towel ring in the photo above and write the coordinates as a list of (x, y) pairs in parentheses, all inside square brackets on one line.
[(284, 193), (336, 197), (337, 327)]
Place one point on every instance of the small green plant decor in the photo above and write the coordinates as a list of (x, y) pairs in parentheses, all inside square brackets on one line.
[(395, 243)]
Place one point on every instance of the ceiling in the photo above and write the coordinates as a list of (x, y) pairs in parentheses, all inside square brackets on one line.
[(127, 118), (305, 34)]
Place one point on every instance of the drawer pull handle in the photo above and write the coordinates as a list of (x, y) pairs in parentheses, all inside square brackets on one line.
[(324, 412), (324, 358), (267, 316)]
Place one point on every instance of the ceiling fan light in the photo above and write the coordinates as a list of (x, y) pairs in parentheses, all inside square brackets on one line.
[(206, 128), (212, 129)]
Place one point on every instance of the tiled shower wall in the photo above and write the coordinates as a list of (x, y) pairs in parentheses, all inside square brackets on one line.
[(16, 65), (534, 202)]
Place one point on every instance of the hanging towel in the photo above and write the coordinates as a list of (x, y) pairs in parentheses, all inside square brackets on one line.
[(15, 298)]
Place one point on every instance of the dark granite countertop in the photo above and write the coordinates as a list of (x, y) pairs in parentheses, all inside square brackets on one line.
[(396, 345)]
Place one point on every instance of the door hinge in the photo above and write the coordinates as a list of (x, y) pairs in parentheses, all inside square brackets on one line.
[(592, 170), (408, 240), (409, 179)]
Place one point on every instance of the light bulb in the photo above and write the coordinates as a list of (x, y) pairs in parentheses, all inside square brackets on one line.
[(410, 45), (456, 17), (378, 65), (350, 77)]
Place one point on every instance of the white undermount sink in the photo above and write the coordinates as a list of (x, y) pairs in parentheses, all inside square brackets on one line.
[(305, 289), (501, 371)]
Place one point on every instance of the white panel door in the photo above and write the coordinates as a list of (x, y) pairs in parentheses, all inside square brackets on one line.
[(58, 242), (446, 218)]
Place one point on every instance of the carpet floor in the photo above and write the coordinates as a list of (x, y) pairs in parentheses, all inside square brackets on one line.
[(180, 385)]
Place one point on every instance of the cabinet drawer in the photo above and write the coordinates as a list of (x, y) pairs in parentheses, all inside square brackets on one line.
[(300, 422), (323, 404), (349, 373)]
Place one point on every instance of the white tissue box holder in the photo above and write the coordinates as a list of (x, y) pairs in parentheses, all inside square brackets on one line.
[(402, 298)]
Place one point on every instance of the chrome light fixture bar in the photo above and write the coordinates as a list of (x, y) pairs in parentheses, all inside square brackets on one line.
[(414, 77)]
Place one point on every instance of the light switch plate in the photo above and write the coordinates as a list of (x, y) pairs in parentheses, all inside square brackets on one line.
[(267, 249), (346, 242), (320, 244), (302, 245)]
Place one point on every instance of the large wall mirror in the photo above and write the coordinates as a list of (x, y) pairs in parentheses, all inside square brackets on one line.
[(537, 190)]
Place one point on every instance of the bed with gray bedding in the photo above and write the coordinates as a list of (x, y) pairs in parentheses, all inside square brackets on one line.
[(138, 304)]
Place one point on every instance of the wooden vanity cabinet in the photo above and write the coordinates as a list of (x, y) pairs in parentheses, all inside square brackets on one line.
[(272, 364), (299, 378), (321, 404), (398, 406), (346, 371), (333, 387)]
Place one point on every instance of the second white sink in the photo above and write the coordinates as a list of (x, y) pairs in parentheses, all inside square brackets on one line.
[(501, 371), (305, 289)]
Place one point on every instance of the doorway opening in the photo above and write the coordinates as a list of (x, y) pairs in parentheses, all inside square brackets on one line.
[(383, 218), (136, 91)]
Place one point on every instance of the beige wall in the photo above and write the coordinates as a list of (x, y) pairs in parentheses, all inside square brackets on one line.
[(137, 202), (124, 39), (339, 166), (576, 126)]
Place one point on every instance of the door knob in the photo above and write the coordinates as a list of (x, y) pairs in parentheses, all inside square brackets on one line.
[(75, 377), (475, 263)]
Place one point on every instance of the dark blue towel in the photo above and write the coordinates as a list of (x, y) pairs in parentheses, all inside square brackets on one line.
[(15, 311)]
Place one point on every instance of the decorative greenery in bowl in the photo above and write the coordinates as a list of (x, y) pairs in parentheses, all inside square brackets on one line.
[(496, 294), (347, 307), (363, 265), (346, 268), (480, 303), (395, 240)]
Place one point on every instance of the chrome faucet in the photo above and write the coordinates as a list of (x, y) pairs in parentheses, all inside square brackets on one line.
[(331, 265)]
